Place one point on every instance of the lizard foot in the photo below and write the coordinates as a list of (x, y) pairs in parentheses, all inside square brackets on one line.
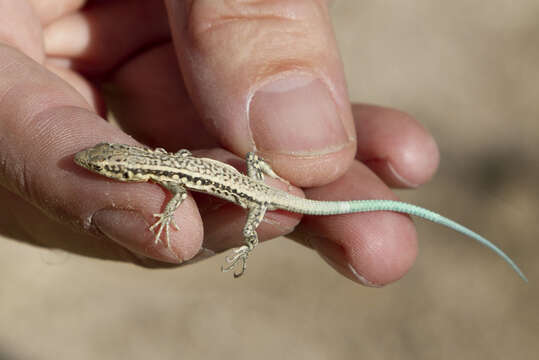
[(240, 255), (164, 224)]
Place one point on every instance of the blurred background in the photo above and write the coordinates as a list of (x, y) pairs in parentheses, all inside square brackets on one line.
[(469, 71)]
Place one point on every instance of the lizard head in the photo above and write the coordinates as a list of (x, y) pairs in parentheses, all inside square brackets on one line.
[(111, 160)]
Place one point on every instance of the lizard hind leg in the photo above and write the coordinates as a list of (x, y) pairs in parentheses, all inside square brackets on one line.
[(240, 255)]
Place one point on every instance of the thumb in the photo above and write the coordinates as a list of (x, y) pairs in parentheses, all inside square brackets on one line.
[(267, 76)]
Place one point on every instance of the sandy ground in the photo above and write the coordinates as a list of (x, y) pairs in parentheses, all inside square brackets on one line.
[(469, 71)]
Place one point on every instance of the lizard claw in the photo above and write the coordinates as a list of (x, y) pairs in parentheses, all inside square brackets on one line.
[(240, 255), (163, 222)]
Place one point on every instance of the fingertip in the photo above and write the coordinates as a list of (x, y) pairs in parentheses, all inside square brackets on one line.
[(387, 251), (130, 229), (395, 146), (381, 253), (371, 248)]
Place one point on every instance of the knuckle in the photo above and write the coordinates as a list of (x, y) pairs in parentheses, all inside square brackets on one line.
[(205, 18), (257, 39)]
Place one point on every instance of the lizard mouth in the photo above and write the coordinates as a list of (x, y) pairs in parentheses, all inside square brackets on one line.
[(86, 159), (81, 158)]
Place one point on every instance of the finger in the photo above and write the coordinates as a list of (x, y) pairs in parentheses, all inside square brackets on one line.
[(267, 75), (20, 28), (149, 100), (43, 122), (395, 146), (370, 248), (39, 229), (146, 93), (50, 10), (101, 36), (87, 90)]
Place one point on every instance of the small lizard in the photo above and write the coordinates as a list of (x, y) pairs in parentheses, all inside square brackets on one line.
[(180, 171)]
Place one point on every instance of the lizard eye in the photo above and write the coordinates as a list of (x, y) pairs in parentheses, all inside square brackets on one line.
[(126, 175)]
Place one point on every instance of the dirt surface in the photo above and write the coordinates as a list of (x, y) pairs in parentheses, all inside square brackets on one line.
[(469, 71)]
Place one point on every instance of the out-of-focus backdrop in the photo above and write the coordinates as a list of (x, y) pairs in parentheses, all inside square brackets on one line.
[(469, 71)]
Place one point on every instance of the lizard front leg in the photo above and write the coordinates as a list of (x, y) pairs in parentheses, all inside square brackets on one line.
[(167, 216), (257, 167), (254, 218)]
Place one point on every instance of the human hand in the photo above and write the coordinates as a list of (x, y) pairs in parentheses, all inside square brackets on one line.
[(264, 76)]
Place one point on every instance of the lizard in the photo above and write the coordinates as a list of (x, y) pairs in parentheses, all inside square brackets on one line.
[(180, 171)]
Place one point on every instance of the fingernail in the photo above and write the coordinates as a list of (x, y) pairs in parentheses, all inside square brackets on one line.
[(362, 279), (296, 115), (399, 177), (129, 229), (385, 169)]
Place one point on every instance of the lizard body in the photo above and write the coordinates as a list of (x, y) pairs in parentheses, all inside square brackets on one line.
[(181, 171)]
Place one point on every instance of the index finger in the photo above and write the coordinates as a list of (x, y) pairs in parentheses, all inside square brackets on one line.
[(43, 122)]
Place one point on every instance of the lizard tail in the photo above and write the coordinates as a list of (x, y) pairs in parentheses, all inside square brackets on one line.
[(313, 207)]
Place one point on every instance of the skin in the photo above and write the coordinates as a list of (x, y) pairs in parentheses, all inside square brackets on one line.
[(242, 76)]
